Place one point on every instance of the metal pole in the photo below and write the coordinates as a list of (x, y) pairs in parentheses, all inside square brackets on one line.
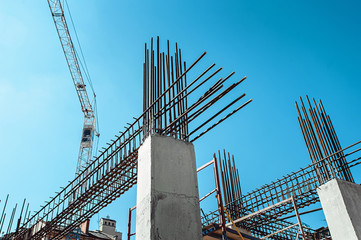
[(298, 218), (130, 222), (2, 224), (21, 213), (219, 199), (2, 215), (11, 219)]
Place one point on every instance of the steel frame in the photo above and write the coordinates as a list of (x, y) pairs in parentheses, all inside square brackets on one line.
[(257, 222), (274, 197), (166, 111), (262, 209)]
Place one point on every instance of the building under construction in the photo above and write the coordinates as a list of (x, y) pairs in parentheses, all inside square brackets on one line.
[(156, 153)]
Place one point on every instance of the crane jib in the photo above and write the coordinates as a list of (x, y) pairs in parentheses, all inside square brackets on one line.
[(86, 143)]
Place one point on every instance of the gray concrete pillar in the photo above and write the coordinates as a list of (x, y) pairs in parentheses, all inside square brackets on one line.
[(341, 203), (167, 191)]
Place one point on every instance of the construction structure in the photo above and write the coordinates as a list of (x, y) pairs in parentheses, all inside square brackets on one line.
[(172, 101), (170, 104), (179, 108), (264, 211)]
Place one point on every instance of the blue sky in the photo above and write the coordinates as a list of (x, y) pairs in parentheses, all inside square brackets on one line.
[(287, 49)]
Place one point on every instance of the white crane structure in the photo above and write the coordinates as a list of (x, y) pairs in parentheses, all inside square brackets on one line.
[(89, 127)]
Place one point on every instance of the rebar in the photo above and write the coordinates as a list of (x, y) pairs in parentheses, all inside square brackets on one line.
[(166, 111), (321, 141)]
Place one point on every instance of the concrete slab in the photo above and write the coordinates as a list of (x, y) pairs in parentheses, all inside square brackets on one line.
[(341, 203), (167, 191)]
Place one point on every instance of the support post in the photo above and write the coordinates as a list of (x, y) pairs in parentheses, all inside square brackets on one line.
[(167, 191), (341, 205), (130, 222), (298, 218)]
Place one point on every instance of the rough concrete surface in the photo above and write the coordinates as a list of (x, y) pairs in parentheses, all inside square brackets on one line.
[(167, 191), (341, 203)]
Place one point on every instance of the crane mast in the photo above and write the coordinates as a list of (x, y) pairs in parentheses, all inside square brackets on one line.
[(89, 129)]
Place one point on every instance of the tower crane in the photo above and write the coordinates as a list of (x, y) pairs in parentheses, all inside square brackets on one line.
[(89, 126)]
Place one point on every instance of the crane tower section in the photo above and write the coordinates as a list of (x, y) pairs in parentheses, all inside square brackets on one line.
[(89, 129)]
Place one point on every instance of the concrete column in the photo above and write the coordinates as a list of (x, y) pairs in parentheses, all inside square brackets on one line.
[(167, 191), (341, 203)]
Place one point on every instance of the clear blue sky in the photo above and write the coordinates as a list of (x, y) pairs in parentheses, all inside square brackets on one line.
[(286, 48)]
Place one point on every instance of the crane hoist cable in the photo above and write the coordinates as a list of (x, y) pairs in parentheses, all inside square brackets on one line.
[(83, 66)]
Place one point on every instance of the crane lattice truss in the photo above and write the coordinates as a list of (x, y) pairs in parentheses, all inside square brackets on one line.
[(263, 210), (178, 102), (86, 145)]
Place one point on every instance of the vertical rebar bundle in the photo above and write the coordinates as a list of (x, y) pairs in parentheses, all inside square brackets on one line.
[(3, 215), (164, 92), (8, 233), (232, 192), (166, 109), (321, 141)]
